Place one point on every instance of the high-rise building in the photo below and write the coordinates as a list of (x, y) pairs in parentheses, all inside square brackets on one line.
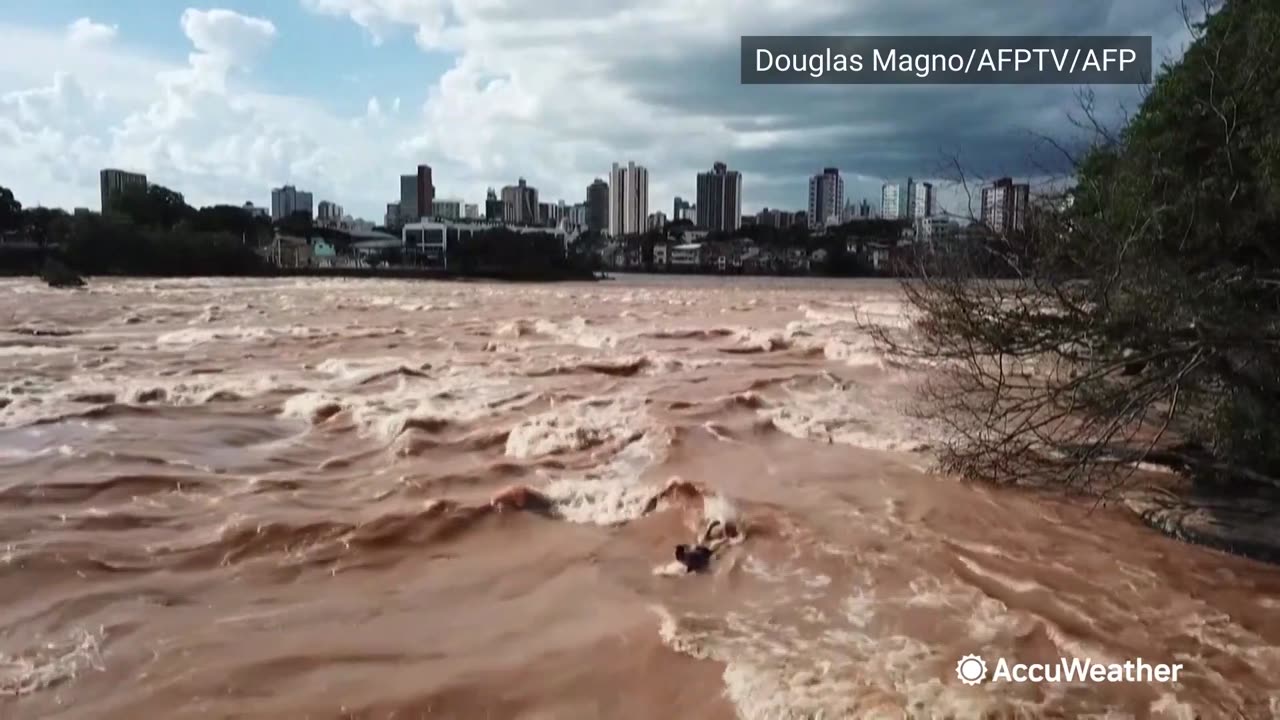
[(921, 200), (773, 218), (115, 182), (628, 199), (826, 198), (494, 211), (410, 211), (425, 190), (329, 212), (1004, 206), (597, 206), (520, 204), (892, 201), (864, 209), (656, 220), (720, 199), (393, 218), (579, 214), (446, 209), (288, 200), (256, 212), (682, 209), (471, 211), (552, 214)]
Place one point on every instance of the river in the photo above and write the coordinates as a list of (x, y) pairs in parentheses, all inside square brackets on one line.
[(271, 499)]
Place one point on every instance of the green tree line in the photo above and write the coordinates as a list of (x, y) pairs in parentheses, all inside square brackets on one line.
[(147, 231), (1141, 319)]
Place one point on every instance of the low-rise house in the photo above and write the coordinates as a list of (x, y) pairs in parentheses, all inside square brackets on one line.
[(287, 251), (687, 256), (661, 254), (878, 255), (797, 258)]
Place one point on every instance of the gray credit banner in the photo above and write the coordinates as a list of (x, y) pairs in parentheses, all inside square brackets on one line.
[(946, 60)]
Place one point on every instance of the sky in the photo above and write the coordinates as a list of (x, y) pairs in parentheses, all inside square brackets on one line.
[(341, 97)]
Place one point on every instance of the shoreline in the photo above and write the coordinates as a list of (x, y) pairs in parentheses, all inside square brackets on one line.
[(354, 273)]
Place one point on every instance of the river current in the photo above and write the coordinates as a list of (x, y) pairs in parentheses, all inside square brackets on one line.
[(273, 499)]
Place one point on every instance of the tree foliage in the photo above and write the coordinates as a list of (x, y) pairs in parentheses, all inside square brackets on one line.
[(531, 254), (1143, 318), (10, 211)]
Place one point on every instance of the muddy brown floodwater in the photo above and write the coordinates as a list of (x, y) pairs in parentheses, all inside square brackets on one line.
[(270, 499)]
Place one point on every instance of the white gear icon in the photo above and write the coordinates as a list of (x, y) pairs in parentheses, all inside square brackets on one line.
[(971, 670)]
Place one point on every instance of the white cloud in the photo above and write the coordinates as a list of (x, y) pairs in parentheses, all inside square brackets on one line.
[(227, 37), (84, 31), (554, 91), (197, 128)]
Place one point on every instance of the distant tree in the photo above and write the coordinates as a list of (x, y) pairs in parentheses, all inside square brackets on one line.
[(154, 206), (299, 224), (45, 225), (10, 211)]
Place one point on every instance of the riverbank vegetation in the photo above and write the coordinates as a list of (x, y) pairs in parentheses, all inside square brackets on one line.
[(154, 232), (1142, 318)]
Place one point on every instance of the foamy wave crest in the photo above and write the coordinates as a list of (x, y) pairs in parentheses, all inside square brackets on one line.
[(419, 399), (577, 331), (851, 415), (611, 493), (85, 393), (24, 351), (192, 337), (650, 363), (50, 664), (360, 371), (577, 426)]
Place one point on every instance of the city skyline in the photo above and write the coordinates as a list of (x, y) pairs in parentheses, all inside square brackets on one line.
[(228, 103)]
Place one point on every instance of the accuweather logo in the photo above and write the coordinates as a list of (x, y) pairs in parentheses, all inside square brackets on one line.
[(972, 670)]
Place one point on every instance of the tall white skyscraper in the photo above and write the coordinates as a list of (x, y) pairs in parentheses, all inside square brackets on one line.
[(921, 200), (891, 201), (628, 199), (826, 198)]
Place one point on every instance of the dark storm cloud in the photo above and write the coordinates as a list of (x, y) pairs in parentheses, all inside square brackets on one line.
[(896, 131)]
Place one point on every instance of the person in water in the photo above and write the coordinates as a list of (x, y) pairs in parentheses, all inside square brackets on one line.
[(695, 557)]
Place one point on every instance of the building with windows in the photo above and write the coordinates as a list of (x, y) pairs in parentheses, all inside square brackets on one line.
[(329, 213), (921, 200), (288, 200), (597, 206), (113, 183), (896, 200), (682, 209), (424, 190), (1004, 206), (493, 209), (409, 199), (720, 199), (520, 204), (826, 199), (628, 199), (471, 211), (446, 209)]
